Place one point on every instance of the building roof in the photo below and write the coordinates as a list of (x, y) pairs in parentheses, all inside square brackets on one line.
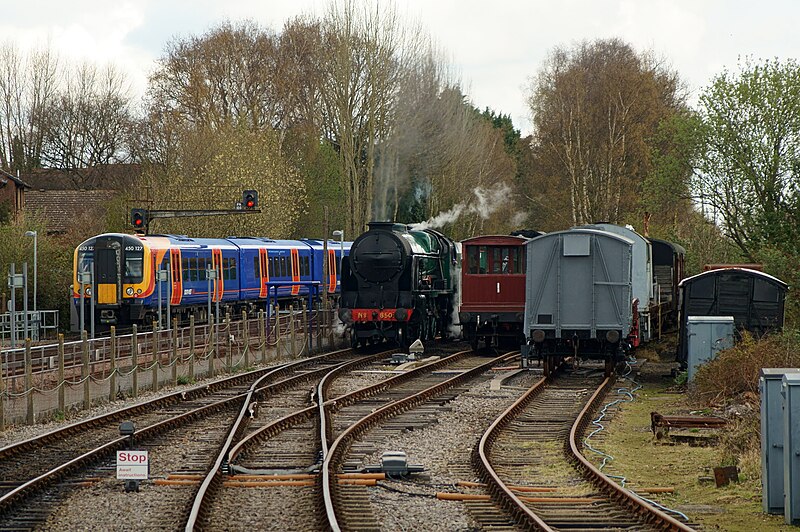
[(59, 206), (100, 177), (5, 177)]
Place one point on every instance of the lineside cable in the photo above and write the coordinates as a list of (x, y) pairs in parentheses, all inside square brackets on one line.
[(627, 397)]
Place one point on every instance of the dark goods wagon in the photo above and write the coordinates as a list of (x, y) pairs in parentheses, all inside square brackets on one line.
[(668, 271), (578, 296), (493, 289), (754, 299), (398, 284)]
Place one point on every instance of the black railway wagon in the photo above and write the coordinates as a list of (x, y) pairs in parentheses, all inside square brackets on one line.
[(754, 299), (668, 272)]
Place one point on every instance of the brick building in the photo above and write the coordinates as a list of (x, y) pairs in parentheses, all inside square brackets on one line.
[(12, 196)]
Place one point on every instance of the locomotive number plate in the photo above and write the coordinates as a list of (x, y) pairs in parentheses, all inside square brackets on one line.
[(371, 315)]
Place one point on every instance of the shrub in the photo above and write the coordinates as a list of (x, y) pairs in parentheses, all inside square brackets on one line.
[(731, 380), (734, 372)]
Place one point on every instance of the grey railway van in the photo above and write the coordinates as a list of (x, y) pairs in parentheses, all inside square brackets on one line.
[(578, 294)]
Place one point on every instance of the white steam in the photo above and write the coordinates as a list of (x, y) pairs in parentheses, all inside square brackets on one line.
[(486, 202), (518, 220), (455, 328)]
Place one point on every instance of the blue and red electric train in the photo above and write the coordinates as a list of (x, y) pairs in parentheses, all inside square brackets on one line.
[(247, 274)]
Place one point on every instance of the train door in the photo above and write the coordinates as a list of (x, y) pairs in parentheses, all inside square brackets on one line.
[(295, 260), (219, 282), (108, 271), (176, 276), (263, 262), (332, 263)]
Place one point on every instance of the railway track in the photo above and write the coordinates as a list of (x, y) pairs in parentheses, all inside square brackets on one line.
[(38, 472), (347, 507), (531, 461), (288, 450)]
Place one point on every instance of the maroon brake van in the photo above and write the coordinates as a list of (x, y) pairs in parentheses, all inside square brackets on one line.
[(493, 289)]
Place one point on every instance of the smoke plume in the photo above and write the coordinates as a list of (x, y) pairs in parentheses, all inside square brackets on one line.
[(485, 202)]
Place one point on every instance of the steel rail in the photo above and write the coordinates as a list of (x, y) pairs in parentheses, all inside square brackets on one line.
[(342, 443), (100, 452), (335, 404), (30, 444), (497, 488), (213, 478), (613, 490), (31, 486)]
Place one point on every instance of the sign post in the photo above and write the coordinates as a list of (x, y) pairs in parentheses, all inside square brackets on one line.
[(132, 466)]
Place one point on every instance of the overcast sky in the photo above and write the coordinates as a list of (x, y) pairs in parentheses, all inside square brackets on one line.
[(494, 45)]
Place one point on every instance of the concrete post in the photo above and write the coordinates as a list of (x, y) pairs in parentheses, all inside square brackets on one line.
[(191, 348), (135, 362), (29, 418), (112, 379), (61, 399), (87, 399)]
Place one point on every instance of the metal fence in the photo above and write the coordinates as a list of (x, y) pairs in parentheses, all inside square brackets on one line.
[(38, 383), (40, 324)]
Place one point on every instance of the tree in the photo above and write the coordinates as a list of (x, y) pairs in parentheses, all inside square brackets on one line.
[(749, 163), (27, 90), (364, 53), (213, 166), (225, 76), (595, 107), (89, 120)]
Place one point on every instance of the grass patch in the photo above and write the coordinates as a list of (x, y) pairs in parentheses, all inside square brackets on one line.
[(646, 463)]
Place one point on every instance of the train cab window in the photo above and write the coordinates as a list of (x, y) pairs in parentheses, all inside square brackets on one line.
[(497, 260), (306, 263), (85, 259), (134, 266)]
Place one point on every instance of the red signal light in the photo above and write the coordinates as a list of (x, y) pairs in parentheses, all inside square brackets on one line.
[(139, 218)]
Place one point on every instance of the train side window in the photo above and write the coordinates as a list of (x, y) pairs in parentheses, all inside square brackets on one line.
[(192, 269), (232, 264), (185, 265), (472, 260), (703, 288), (305, 266), (764, 291), (225, 269), (497, 260), (256, 267), (202, 268), (272, 267), (284, 269)]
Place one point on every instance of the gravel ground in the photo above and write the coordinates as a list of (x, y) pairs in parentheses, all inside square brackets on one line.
[(153, 507), (444, 449)]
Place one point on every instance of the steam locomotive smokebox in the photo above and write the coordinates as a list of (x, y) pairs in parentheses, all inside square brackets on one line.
[(708, 335)]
